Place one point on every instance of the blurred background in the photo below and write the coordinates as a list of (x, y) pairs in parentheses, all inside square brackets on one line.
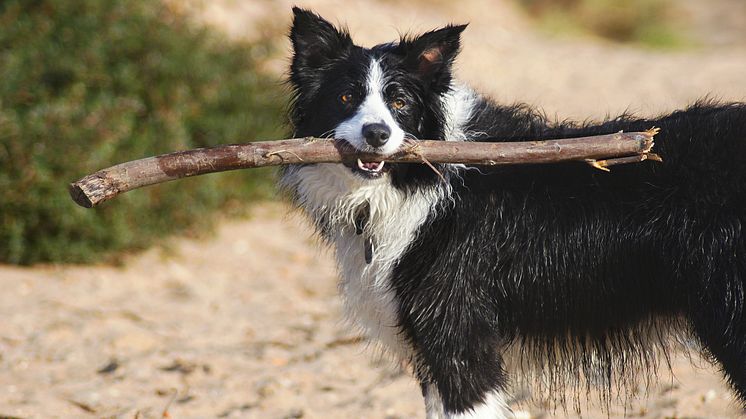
[(204, 297)]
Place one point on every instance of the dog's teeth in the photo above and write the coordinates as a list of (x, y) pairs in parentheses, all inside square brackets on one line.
[(372, 167)]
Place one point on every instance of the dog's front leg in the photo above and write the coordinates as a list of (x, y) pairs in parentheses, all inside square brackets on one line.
[(493, 405), (460, 368)]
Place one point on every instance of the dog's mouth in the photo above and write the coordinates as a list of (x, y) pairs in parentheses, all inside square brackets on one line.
[(368, 170)]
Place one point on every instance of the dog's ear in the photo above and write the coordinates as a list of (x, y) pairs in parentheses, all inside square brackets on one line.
[(316, 42), (431, 55)]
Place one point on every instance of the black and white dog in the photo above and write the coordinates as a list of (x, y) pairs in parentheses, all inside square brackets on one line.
[(563, 272)]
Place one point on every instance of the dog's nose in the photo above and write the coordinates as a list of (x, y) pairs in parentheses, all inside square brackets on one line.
[(376, 134)]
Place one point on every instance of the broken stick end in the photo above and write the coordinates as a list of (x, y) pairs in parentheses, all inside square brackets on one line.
[(79, 196), (652, 132), (650, 141), (94, 189)]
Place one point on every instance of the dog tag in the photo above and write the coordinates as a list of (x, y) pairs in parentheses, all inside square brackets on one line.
[(361, 219), (368, 250)]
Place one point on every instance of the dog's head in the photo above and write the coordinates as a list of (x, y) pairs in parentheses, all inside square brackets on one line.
[(372, 98)]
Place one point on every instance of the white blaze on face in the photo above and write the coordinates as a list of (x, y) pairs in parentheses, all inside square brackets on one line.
[(374, 109)]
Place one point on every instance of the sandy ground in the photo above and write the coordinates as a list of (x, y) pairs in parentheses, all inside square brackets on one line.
[(248, 324)]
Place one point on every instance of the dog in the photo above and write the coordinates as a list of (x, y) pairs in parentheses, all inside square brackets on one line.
[(560, 272)]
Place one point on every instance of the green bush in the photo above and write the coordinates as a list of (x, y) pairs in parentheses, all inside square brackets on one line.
[(90, 83)]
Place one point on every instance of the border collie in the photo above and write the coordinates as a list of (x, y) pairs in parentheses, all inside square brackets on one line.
[(563, 273)]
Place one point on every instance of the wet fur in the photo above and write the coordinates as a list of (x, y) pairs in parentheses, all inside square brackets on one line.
[(588, 276)]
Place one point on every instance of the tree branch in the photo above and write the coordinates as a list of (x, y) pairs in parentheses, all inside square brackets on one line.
[(600, 151)]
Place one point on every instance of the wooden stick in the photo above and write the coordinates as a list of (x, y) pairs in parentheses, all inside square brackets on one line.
[(108, 183), (604, 164)]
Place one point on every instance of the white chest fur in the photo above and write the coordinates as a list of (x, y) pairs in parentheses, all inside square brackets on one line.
[(331, 192)]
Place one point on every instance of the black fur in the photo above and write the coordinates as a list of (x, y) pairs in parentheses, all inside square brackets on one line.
[(584, 269), (588, 273)]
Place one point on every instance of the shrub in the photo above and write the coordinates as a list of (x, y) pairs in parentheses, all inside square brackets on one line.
[(90, 83)]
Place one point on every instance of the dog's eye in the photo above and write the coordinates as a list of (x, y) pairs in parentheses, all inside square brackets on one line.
[(345, 98), (398, 104)]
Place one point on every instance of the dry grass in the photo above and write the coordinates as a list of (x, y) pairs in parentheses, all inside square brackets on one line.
[(651, 23)]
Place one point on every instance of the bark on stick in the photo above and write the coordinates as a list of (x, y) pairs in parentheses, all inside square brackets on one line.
[(600, 151)]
